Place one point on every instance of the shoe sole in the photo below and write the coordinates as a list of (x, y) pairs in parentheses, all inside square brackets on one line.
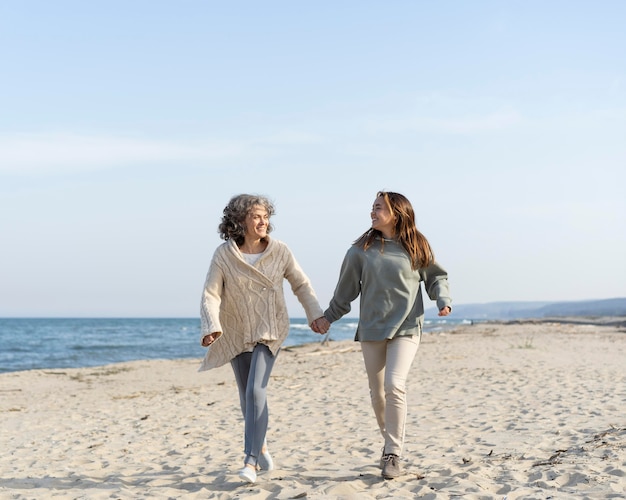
[(388, 477)]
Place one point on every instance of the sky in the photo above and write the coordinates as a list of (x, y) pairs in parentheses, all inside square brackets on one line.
[(126, 126)]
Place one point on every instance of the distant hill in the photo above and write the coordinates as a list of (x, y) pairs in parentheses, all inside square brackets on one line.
[(524, 310)]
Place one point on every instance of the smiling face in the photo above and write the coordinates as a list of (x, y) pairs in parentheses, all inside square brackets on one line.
[(256, 223), (382, 218)]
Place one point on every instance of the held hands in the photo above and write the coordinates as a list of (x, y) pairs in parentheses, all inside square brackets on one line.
[(320, 325), (445, 311)]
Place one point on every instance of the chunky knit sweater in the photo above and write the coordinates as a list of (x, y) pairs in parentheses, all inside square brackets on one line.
[(247, 303)]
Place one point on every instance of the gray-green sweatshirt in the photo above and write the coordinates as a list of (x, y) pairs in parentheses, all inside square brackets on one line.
[(391, 296)]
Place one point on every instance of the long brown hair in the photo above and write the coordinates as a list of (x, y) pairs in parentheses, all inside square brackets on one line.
[(405, 231)]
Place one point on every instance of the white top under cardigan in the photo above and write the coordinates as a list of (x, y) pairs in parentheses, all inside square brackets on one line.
[(247, 303)]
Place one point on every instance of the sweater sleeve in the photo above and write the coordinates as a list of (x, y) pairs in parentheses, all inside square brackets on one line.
[(348, 286), (436, 285), (211, 300), (302, 289)]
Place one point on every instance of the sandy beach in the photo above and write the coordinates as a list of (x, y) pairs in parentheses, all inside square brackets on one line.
[(530, 410)]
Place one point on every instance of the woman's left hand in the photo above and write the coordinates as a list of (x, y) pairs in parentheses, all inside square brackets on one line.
[(320, 325), (445, 311)]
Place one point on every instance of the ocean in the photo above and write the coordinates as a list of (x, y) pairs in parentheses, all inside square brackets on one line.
[(36, 343)]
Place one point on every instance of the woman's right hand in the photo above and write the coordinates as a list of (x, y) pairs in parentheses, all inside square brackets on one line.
[(207, 340)]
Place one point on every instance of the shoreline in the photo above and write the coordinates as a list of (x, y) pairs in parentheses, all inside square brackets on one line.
[(529, 410), (615, 321)]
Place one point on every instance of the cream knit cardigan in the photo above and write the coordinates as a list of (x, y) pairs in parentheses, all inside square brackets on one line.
[(247, 303)]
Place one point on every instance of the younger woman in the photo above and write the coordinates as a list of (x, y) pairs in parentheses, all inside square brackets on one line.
[(386, 266)]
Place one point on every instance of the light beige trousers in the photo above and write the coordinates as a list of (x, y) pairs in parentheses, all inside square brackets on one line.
[(387, 363)]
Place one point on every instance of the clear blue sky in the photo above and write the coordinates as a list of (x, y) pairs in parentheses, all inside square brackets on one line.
[(125, 127)]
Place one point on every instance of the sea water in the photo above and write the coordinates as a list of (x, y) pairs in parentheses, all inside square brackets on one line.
[(35, 343)]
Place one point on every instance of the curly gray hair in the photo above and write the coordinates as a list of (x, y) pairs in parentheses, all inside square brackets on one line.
[(232, 225)]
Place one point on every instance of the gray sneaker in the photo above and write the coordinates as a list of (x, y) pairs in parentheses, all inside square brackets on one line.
[(391, 466)]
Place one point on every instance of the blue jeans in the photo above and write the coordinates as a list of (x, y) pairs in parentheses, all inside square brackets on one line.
[(252, 373)]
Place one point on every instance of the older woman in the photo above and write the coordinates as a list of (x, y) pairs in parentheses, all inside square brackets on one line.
[(244, 317)]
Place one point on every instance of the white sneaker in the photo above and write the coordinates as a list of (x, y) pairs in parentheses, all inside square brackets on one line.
[(265, 461), (247, 474)]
